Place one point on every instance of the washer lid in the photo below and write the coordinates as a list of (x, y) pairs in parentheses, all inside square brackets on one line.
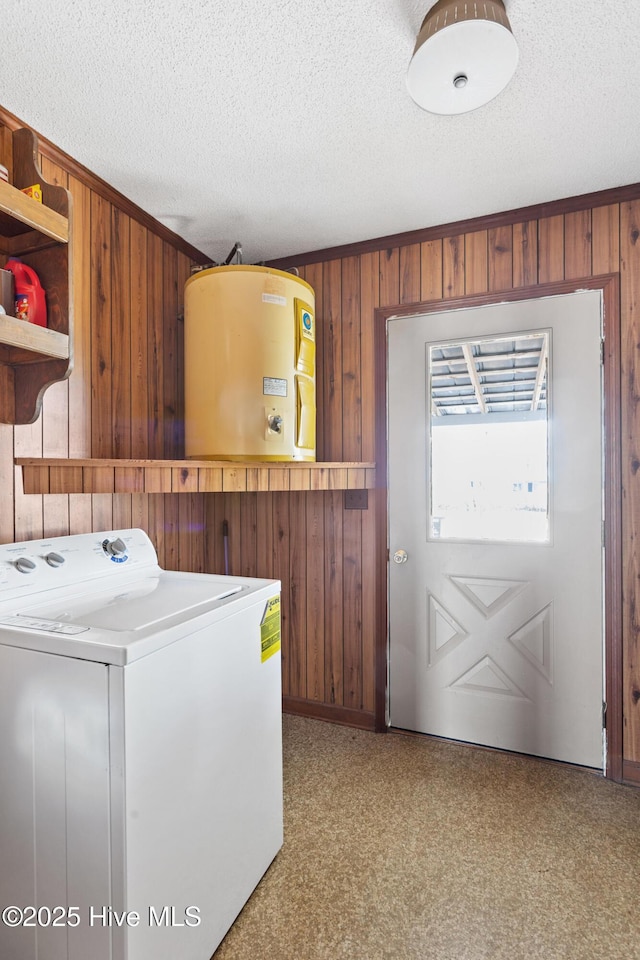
[(136, 605)]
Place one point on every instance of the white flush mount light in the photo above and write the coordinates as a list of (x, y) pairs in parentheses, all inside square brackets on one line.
[(465, 56)]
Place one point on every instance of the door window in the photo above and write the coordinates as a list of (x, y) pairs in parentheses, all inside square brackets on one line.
[(488, 441)]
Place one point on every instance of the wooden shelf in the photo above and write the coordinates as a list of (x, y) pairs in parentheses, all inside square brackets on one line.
[(20, 214), (30, 339), (33, 357), (189, 476)]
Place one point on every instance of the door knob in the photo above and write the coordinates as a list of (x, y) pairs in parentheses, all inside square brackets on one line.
[(400, 556)]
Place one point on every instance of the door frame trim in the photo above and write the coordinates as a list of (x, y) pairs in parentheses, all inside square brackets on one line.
[(609, 285)]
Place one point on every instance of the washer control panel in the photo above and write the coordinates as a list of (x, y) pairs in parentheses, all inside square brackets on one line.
[(36, 565)]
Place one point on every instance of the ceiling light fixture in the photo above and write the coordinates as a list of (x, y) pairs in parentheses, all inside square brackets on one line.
[(465, 56)]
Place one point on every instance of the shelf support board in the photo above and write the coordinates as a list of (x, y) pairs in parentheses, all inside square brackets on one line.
[(190, 476)]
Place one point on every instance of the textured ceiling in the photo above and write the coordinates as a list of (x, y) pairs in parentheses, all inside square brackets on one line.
[(287, 125)]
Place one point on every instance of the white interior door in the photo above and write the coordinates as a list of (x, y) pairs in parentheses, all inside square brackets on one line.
[(495, 506)]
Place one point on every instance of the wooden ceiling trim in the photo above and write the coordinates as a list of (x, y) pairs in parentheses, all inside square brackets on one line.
[(492, 221)]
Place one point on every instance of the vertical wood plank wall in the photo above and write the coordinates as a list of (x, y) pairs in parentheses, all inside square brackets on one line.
[(124, 396)]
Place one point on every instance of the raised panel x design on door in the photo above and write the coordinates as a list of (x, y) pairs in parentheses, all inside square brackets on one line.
[(495, 496)]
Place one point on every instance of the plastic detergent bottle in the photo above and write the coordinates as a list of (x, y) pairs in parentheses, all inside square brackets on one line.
[(30, 303)]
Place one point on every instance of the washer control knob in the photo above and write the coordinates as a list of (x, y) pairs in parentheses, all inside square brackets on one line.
[(114, 548), (24, 565), (54, 559)]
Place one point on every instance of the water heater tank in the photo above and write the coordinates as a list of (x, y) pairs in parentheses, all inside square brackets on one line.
[(250, 365)]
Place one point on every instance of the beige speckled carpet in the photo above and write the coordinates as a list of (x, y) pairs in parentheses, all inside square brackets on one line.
[(399, 847)]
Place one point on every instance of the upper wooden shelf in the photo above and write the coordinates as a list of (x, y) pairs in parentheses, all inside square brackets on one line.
[(189, 476), (20, 214)]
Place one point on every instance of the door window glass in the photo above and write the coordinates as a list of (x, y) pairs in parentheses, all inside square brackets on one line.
[(489, 439)]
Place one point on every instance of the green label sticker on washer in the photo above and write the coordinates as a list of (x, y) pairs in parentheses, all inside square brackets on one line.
[(270, 629)]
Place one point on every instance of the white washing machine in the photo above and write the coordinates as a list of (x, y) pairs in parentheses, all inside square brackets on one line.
[(140, 750)]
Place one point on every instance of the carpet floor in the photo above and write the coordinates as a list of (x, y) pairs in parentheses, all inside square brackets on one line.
[(405, 848)]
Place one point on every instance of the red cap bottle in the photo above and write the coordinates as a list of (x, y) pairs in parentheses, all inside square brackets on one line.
[(30, 302)]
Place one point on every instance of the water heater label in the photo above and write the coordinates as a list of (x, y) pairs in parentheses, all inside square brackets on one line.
[(274, 387), (274, 298)]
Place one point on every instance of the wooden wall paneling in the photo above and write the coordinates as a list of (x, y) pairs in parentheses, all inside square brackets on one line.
[(577, 244), (233, 516), (121, 354), (550, 249), (630, 317), (171, 531), (264, 535), (140, 511), (248, 534), (172, 405), (352, 617), (28, 517), (212, 538), (410, 263), (351, 361), (155, 352), (297, 596), (187, 540), (155, 513), (122, 511), (102, 511), (476, 269), (101, 357), (453, 268), (334, 598), (389, 289), (139, 364), (605, 239), (500, 241), (431, 257), (369, 300), (191, 534), (369, 296), (80, 379), (198, 532), (332, 362), (120, 335), (315, 597), (282, 572), (525, 253)]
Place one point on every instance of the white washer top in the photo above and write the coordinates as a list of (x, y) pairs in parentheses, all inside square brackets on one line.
[(103, 597), (136, 604)]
